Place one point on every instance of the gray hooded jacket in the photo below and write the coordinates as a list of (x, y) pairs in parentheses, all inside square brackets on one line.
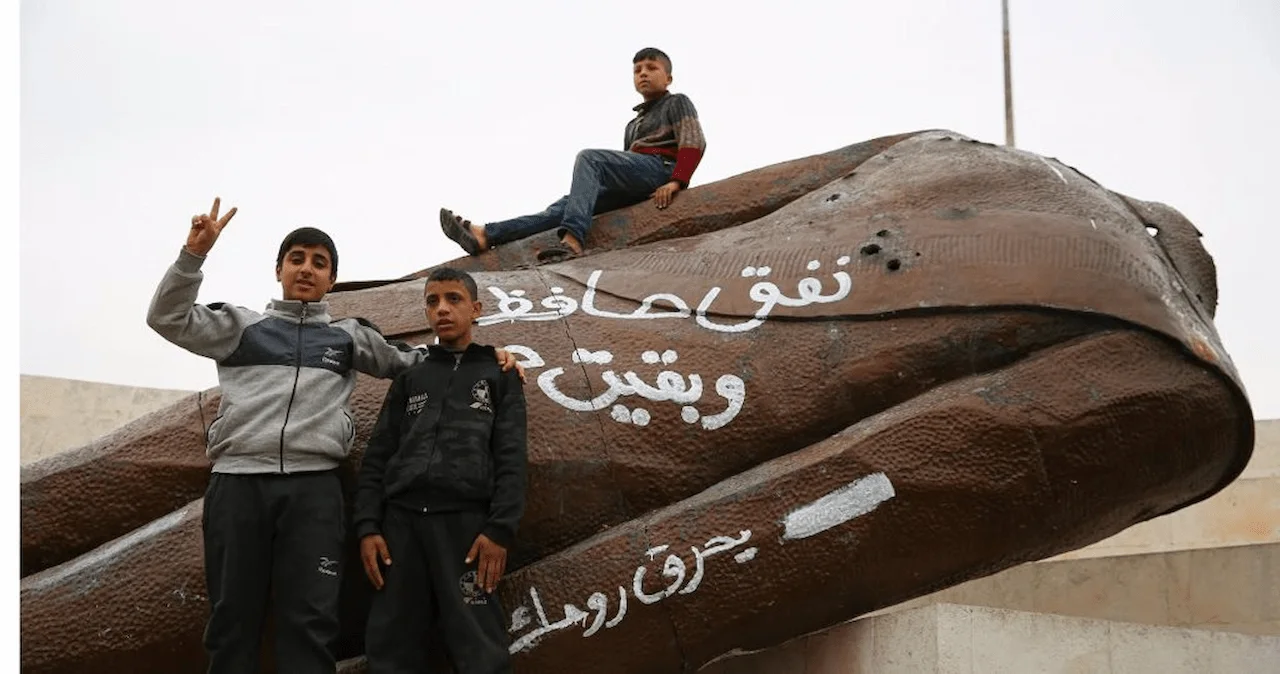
[(286, 374)]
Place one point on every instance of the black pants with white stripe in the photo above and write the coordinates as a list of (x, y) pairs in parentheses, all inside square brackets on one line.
[(429, 588), (277, 537)]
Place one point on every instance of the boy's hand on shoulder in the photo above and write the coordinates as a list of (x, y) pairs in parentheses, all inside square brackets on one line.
[(205, 229), (372, 549), (493, 562), (663, 196), (508, 360)]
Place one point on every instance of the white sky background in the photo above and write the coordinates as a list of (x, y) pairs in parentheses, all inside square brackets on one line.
[(364, 118)]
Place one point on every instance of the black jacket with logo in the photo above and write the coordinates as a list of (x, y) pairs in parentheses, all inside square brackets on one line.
[(451, 436)]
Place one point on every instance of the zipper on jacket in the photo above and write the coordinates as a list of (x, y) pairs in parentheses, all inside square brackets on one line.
[(435, 428), (297, 371)]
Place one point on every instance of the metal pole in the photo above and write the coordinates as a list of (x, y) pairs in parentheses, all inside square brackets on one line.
[(1008, 78)]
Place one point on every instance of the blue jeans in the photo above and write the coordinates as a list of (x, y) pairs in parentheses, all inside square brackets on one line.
[(603, 180)]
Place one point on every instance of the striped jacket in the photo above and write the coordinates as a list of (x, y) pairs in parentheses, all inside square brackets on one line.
[(668, 126)]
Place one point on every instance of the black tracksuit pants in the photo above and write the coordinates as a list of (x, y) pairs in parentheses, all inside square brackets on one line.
[(429, 587), (277, 536)]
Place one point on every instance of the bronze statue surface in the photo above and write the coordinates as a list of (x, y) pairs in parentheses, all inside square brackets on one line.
[(795, 396)]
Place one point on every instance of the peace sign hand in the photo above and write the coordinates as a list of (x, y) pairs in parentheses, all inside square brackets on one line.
[(206, 228)]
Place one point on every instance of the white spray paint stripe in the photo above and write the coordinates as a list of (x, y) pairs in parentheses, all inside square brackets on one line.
[(1053, 168), (852, 500)]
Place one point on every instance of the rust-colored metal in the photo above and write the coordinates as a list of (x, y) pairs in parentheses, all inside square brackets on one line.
[(75, 501), (955, 359)]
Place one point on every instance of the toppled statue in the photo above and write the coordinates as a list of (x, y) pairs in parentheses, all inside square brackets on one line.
[(793, 397)]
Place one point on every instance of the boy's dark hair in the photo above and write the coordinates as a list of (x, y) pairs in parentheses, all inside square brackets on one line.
[(309, 236), (655, 54), (451, 274)]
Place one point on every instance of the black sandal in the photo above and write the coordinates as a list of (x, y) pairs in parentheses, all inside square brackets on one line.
[(459, 231)]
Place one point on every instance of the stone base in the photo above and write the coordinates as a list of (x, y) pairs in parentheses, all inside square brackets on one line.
[(954, 639)]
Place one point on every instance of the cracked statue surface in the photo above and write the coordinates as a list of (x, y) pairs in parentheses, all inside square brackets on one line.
[(793, 397)]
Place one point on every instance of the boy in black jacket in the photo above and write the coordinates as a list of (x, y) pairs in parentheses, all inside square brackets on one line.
[(442, 487)]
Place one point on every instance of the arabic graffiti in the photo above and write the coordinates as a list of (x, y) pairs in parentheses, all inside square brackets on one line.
[(514, 306), (850, 501), (673, 567), (670, 386)]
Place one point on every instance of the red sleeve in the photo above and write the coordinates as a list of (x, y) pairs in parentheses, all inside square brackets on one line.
[(687, 159), (690, 141)]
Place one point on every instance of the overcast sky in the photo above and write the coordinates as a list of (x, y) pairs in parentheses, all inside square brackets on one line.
[(364, 118)]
